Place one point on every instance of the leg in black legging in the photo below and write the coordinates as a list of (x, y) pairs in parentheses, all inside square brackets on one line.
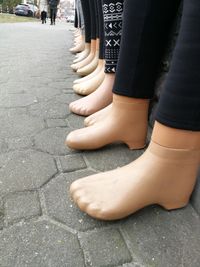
[(112, 10), (93, 19), (165, 174), (100, 29), (87, 20), (146, 25), (76, 19), (101, 97), (179, 105)]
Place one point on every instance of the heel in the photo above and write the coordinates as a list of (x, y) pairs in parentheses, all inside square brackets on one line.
[(135, 145), (174, 206)]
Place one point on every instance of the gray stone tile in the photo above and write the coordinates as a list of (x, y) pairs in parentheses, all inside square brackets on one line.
[(52, 123), (67, 98), (61, 85), (75, 121), (11, 112), (111, 157), (195, 200), (39, 244), (19, 125), (72, 163), (17, 100), (25, 170), (110, 245), (21, 206), (60, 206), (43, 93), (160, 238), (1, 214), (53, 141), (49, 109), (19, 143)]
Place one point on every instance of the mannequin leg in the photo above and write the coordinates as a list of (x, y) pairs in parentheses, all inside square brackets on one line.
[(78, 66), (97, 116), (137, 88), (116, 127), (162, 175), (166, 173), (102, 95)]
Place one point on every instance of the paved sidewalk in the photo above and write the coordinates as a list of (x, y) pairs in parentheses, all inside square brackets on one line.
[(39, 225)]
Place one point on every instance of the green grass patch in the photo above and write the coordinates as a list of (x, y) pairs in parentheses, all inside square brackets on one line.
[(12, 18)]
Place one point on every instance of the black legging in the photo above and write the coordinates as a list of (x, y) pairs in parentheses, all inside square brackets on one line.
[(112, 11), (146, 24), (93, 19), (101, 28), (87, 20)]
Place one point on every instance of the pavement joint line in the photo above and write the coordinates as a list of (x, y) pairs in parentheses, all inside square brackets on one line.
[(58, 223)]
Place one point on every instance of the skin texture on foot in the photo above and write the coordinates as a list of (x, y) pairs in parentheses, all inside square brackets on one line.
[(86, 70), (97, 116), (100, 67), (89, 86), (162, 176), (126, 122), (97, 100)]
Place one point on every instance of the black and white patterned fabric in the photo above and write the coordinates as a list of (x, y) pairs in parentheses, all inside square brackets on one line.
[(112, 11)]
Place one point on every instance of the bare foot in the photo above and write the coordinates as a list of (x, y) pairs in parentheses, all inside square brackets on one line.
[(97, 116), (160, 176), (89, 86), (97, 100), (126, 122)]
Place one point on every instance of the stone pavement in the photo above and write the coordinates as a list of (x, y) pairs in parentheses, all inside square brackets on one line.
[(39, 225)]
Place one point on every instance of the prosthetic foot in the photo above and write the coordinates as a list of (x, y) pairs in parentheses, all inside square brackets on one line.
[(127, 122), (97, 116), (97, 100), (162, 175), (89, 86), (100, 67), (88, 69), (88, 59), (83, 54), (78, 47)]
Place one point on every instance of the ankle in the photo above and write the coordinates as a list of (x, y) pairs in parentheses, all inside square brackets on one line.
[(175, 138)]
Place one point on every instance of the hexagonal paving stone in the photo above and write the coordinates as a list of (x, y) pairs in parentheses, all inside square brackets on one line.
[(75, 121), (160, 238), (53, 141), (21, 205), (61, 85), (111, 157), (25, 170), (49, 109), (67, 98), (71, 163), (39, 244), (1, 214), (109, 243), (60, 206), (19, 125), (43, 93), (17, 100)]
